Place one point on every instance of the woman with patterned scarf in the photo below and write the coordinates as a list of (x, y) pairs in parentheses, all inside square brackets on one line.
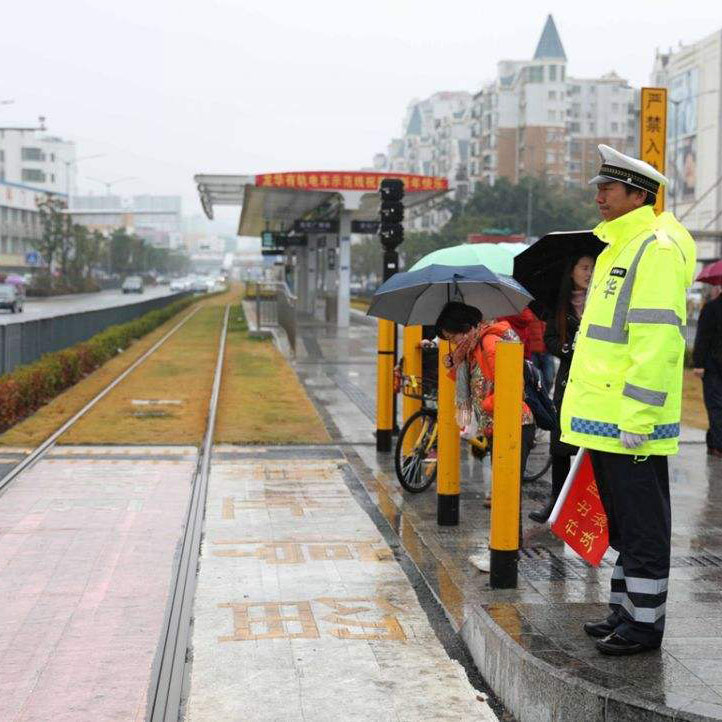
[(472, 364)]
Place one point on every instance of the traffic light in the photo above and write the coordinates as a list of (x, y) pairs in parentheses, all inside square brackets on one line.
[(391, 230)]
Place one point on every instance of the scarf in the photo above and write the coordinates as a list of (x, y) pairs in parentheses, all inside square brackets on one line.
[(577, 301), (460, 359)]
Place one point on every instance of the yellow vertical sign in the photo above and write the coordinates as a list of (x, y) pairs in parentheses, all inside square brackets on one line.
[(653, 133)]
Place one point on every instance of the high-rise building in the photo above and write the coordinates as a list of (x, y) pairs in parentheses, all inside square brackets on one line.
[(435, 141), (535, 120), (693, 75)]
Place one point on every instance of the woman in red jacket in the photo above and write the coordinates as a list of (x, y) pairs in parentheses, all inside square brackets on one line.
[(473, 367)]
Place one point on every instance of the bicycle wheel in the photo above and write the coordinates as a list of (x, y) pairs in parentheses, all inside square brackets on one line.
[(536, 466), (417, 469)]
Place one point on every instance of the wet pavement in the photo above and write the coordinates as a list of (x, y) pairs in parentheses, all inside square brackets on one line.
[(528, 642), (302, 609), (87, 542), (35, 308)]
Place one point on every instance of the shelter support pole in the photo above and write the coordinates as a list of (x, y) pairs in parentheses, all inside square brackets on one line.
[(343, 263), (506, 465), (448, 485), (412, 367), (385, 385)]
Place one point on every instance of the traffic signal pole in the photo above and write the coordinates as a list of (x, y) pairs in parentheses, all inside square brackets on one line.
[(391, 234)]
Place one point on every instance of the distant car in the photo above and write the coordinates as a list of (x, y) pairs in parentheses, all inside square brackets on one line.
[(133, 284), (162, 280), (199, 285), (12, 297), (179, 284)]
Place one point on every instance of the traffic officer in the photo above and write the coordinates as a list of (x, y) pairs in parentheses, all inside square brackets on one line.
[(623, 397)]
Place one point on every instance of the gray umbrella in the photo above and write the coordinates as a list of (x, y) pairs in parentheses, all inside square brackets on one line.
[(417, 297)]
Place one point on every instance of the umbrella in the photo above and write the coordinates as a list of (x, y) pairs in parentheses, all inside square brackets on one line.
[(417, 297), (540, 267), (711, 274), (491, 255), (15, 279)]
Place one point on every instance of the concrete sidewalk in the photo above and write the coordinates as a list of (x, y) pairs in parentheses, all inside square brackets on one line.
[(302, 610), (528, 643)]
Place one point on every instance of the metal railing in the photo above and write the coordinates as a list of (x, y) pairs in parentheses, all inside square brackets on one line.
[(26, 341), (275, 306)]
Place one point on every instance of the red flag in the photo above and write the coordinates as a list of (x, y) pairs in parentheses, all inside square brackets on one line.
[(578, 518)]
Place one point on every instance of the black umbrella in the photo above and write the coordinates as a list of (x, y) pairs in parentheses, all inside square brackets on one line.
[(417, 297), (540, 268)]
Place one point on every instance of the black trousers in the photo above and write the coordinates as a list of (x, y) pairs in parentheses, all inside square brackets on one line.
[(712, 388), (635, 495)]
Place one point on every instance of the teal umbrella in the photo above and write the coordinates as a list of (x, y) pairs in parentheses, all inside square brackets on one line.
[(491, 255)]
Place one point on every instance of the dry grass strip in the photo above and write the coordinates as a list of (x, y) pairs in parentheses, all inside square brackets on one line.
[(180, 371), (693, 411), (262, 401)]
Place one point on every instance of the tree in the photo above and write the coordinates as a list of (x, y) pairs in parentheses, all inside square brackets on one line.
[(55, 241)]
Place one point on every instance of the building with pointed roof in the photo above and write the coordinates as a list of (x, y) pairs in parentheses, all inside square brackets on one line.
[(550, 44), (535, 120)]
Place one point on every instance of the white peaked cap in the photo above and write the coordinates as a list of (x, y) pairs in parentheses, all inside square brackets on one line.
[(634, 172)]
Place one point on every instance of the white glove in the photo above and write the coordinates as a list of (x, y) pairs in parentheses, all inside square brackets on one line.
[(632, 441)]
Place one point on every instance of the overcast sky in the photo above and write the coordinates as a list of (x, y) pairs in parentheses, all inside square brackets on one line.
[(169, 88)]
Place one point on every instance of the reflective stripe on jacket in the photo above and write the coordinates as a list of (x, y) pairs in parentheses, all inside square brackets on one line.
[(626, 374)]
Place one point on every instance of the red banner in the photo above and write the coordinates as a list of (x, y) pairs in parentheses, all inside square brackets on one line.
[(346, 181), (581, 521)]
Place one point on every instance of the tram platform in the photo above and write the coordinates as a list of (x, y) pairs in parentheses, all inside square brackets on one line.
[(528, 643)]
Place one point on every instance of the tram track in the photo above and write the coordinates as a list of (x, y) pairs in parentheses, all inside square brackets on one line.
[(46, 446), (169, 673)]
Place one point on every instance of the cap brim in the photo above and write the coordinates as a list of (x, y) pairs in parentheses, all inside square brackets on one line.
[(602, 179)]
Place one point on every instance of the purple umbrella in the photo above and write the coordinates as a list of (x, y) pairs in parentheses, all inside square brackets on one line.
[(15, 280)]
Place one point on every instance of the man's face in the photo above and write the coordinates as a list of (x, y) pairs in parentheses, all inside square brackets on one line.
[(613, 200)]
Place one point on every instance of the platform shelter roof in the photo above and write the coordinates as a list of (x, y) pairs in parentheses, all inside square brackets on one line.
[(274, 201)]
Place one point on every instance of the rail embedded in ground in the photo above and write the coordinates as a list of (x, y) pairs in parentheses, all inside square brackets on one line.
[(166, 691)]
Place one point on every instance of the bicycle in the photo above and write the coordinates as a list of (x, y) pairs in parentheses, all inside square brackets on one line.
[(416, 470)]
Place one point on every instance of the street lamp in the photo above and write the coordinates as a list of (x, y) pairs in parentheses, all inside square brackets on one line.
[(75, 161), (108, 185)]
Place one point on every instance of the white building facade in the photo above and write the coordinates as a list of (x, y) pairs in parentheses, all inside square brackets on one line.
[(41, 161), (20, 227), (692, 74)]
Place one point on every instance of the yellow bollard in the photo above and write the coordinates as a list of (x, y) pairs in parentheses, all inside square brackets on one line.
[(506, 465), (448, 448), (412, 367), (385, 385)]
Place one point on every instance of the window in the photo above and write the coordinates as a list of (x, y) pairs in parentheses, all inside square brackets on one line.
[(551, 156), (574, 127), (552, 93), (615, 127), (552, 72), (536, 74), (52, 177), (52, 157), (615, 107), (592, 127), (32, 154), (33, 175), (563, 69), (2, 155)]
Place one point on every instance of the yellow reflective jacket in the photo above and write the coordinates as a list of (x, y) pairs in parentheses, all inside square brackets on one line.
[(626, 373)]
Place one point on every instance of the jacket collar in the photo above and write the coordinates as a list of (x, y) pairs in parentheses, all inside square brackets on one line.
[(625, 227)]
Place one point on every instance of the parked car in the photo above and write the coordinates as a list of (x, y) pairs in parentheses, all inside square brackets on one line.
[(133, 284), (12, 297), (179, 284), (162, 280), (199, 285)]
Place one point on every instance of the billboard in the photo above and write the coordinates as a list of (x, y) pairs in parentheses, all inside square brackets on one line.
[(683, 95)]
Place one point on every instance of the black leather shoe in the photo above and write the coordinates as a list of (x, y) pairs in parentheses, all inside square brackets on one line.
[(598, 629), (618, 646), (541, 515)]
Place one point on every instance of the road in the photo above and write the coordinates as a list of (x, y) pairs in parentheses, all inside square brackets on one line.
[(36, 308)]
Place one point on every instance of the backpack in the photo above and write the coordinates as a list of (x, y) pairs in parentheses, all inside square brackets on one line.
[(541, 406)]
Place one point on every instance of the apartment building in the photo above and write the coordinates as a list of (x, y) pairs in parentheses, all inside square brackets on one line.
[(535, 120)]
